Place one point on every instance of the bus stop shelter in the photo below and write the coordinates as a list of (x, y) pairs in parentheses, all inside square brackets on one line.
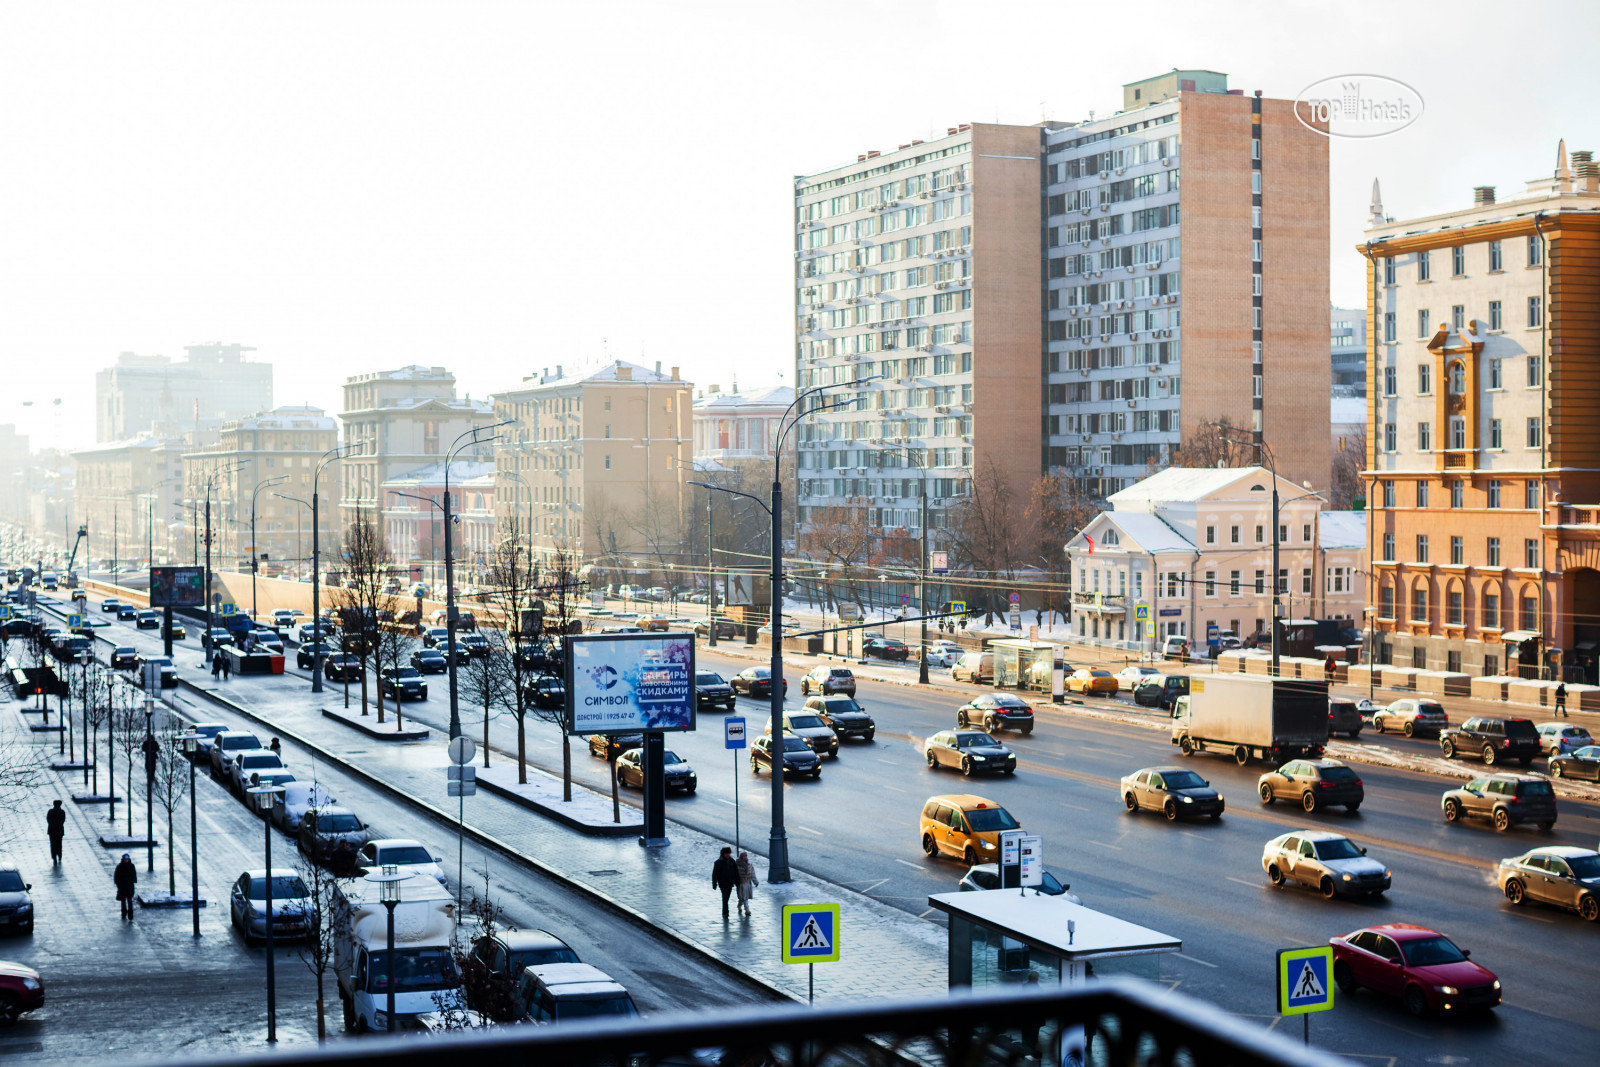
[(1022, 664), (1000, 936)]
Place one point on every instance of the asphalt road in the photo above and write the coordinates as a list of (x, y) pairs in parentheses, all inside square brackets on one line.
[(1202, 882)]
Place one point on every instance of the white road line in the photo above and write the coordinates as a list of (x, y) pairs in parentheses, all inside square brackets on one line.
[(869, 888), (895, 788), (1192, 959), (908, 863), (809, 830), (1074, 807), (1241, 881), (880, 759), (720, 800), (1102, 844)]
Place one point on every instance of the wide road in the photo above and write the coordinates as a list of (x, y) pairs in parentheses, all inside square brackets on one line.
[(1202, 882)]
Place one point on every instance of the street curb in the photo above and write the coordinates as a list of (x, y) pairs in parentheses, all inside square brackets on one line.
[(413, 734), (593, 830)]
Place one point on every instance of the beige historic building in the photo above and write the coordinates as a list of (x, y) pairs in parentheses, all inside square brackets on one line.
[(128, 493)]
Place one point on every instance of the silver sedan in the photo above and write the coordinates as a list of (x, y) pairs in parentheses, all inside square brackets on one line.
[(1330, 863)]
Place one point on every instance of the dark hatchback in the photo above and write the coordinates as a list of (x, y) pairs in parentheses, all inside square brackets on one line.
[(1315, 783), (798, 758), (1495, 740)]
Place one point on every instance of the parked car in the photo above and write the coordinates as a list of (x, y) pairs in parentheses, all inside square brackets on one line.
[(976, 667), (940, 657), (1092, 681), (402, 683), (843, 715), (124, 657), (1411, 717), (148, 620), (1161, 690), (1175, 792), (810, 728), (987, 876), (1561, 875), (207, 732), (1494, 739), (1560, 738), (798, 757), (610, 746), (494, 965), (21, 991), (1422, 968), (756, 682), (1330, 863), (1344, 717), (724, 629), (1175, 647), (1584, 764), (827, 679), (322, 829), (430, 661), (889, 648), (1315, 782), (250, 761), (996, 711), (1130, 677), (16, 906), (675, 770), (971, 751), (228, 744), (1504, 799), (410, 856), (215, 636), (711, 690), (964, 827), (555, 992), (298, 798), (292, 906)]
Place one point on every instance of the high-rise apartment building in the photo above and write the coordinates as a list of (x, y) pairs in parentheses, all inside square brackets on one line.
[(1483, 443), (1016, 296), (213, 383)]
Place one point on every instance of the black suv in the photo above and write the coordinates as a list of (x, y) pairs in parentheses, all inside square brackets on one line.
[(1315, 782), (341, 668), (1503, 799), (711, 690), (1161, 690), (1494, 739), (402, 683), (844, 715)]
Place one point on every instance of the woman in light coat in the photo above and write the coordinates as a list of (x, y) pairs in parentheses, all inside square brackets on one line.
[(747, 881)]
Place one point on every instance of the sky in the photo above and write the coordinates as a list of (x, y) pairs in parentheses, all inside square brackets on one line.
[(498, 188)]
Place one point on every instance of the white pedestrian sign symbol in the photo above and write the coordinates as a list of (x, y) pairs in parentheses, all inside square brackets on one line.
[(1307, 986), (811, 936)]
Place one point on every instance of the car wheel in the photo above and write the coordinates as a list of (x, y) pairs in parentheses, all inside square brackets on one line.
[(1026, 730), (1555, 769), (1546, 827), (989, 726), (689, 789), (755, 768), (1452, 811), (970, 856), (1186, 746), (1448, 747), (1308, 800), (966, 766), (816, 775), (1352, 808), (805, 688), (1170, 810), (933, 762), (1241, 755), (1502, 820), (1354, 734), (928, 847), (1377, 724), (961, 720), (1515, 890), (1275, 876), (1489, 757), (1416, 1003), (871, 734), (1131, 801), (1589, 909), (1409, 729), (1327, 887), (1266, 793), (1343, 978)]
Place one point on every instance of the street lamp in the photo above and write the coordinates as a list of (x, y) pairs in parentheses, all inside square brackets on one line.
[(191, 749), (211, 484), (336, 452), (471, 438), (151, 749), (255, 550), (264, 797), (389, 895)]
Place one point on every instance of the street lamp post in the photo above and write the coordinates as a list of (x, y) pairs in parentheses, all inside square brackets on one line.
[(317, 626), (255, 551), (191, 748), (471, 438), (264, 797), (389, 895), (151, 748)]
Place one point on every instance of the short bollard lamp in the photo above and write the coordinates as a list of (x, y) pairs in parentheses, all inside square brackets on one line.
[(389, 879)]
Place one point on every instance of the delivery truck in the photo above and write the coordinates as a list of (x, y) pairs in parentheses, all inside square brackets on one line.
[(423, 969), (1272, 719)]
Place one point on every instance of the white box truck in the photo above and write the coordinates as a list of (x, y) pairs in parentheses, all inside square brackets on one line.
[(423, 969), (1273, 719)]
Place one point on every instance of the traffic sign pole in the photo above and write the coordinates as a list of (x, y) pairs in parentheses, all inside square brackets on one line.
[(734, 737)]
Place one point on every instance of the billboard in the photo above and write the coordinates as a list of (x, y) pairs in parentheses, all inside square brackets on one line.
[(177, 587), (623, 683)]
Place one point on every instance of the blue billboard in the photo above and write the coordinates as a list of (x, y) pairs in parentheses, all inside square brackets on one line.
[(624, 683)]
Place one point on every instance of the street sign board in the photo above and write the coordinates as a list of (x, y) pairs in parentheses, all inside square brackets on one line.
[(1141, 613), (1010, 859), (1031, 855), (621, 683), (905, 599), (462, 749), (958, 606), (733, 731), (1305, 980), (1016, 620), (810, 933), (177, 587), (939, 562), (1016, 598), (229, 609), (74, 622)]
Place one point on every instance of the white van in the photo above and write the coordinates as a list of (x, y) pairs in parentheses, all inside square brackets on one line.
[(974, 667)]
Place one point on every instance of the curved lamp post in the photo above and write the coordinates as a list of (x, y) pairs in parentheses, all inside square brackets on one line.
[(263, 798)]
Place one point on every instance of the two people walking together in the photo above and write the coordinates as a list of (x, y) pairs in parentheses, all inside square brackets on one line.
[(730, 875)]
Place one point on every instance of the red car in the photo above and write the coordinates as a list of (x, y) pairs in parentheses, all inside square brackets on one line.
[(20, 991), (1421, 967)]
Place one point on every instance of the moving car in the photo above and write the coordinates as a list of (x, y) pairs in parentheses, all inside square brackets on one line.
[(556, 992), (291, 904), (965, 827), (430, 661), (1562, 875), (973, 751), (177, 631), (1493, 738), (435, 636), (610, 746), (305, 655), (987, 876), (798, 757), (1559, 738), (825, 679), (16, 906), (675, 769), (475, 643), (711, 690), (811, 729), (843, 715), (124, 657), (110, 603), (890, 648), (342, 667), (1420, 967), (1173, 791), (1092, 681), (148, 620), (756, 682), (1411, 717), (322, 829), (1503, 799), (1584, 764), (1161, 690), (127, 613), (547, 692), (655, 622), (1344, 717), (1316, 782), (724, 629), (1330, 863), (21, 991), (402, 683), (996, 711)]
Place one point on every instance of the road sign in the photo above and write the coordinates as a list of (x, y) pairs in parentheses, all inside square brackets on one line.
[(939, 562), (905, 599), (5, 612), (1016, 620), (74, 622), (230, 608), (1141, 613), (733, 731), (1305, 980), (463, 779), (1016, 598), (810, 933), (1031, 854), (461, 750)]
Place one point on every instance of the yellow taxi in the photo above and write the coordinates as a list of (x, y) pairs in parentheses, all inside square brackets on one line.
[(654, 622), (964, 827), (1092, 681)]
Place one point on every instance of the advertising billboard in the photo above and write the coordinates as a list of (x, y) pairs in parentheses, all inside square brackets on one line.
[(177, 587), (623, 683)]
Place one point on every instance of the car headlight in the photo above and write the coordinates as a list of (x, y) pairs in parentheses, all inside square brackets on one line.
[(25, 909), (986, 844), (1388, 874), (33, 983), (980, 759), (1447, 990), (1188, 800), (1496, 984), (1346, 877), (380, 1019)]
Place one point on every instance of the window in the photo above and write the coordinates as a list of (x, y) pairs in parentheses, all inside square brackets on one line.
[(1388, 271), (1491, 611), (1419, 605), (1389, 437), (1388, 492), (1458, 551), (1494, 551), (1283, 533), (1530, 613), (1305, 580), (1535, 251), (1233, 582), (1386, 602), (1390, 330), (1283, 579), (1535, 372), (1388, 546), (1453, 608), (1455, 493), (1530, 554), (1535, 311), (1494, 374), (1424, 267), (1458, 317), (1211, 583), (1261, 580), (1494, 492), (1494, 315), (1233, 534), (1211, 535), (1424, 436), (1424, 378), (1305, 533), (608, 462), (1261, 534), (1458, 378), (1422, 548), (1530, 496), (1174, 584), (1390, 386), (1535, 431), (1422, 494), (1458, 261), (1496, 256), (1458, 432), (1494, 434), (1422, 325)]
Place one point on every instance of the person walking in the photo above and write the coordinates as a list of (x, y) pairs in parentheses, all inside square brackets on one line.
[(725, 876), (276, 747), (216, 665), (1330, 669), (747, 882), (55, 821), (1561, 703), (126, 876), (227, 667)]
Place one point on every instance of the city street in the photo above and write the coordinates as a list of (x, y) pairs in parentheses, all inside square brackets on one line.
[(1202, 882)]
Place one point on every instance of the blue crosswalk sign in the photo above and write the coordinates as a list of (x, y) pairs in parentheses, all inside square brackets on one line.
[(810, 933), (1304, 980)]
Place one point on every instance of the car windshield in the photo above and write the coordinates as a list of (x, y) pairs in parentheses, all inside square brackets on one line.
[(418, 970), (1337, 849), (10, 882), (983, 820), (1521, 728), (841, 707), (338, 824), (973, 741), (838, 673), (1183, 780), (760, 673), (284, 887), (1582, 867), (1431, 951), (806, 722), (795, 744), (1050, 886), (406, 672), (1430, 709), (247, 741), (707, 678), (669, 758), (265, 759), (1534, 789), (404, 854), (538, 957), (1099, 674), (589, 1007)]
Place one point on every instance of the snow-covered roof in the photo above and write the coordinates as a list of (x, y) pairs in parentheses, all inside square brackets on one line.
[(780, 397), (1146, 531), (1342, 529), (1180, 484), (461, 472)]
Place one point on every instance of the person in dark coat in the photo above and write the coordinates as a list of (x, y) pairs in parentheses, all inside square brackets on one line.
[(127, 877), (216, 664), (55, 821), (342, 864), (1561, 703), (725, 876), (227, 667)]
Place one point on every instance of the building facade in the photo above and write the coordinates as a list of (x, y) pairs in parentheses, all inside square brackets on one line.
[(128, 493), (738, 428), (399, 421), (1194, 545), (598, 463), (1348, 333), (413, 520), (1483, 446), (152, 394)]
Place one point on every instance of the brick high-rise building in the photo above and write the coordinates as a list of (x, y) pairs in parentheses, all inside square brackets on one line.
[(1483, 443)]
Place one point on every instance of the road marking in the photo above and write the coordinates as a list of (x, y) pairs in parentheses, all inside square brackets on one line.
[(1535, 918), (1074, 807), (871, 887), (880, 759), (1192, 959), (1102, 844), (896, 788), (1241, 881), (809, 830), (908, 863), (720, 800)]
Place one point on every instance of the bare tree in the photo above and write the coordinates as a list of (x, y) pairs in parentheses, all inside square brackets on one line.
[(1346, 487), (1215, 444), (1064, 505), (515, 647), (392, 645), (127, 727), (840, 537), (361, 599), (608, 520), (316, 949), (491, 995), (560, 596), (992, 529), (171, 785), (21, 772)]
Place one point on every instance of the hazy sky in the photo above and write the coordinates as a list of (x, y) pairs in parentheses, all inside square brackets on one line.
[(501, 187)]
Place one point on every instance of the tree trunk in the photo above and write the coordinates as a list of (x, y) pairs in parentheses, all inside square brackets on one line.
[(364, 695), (322, 1019), (172, 872), (111, 777), (566, 767), (522, 749), (486, 733)]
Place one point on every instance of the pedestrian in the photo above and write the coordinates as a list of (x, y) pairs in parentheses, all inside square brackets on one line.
[(747, 881), (126, 876), (216, 665), (55, 821), (227, 667), (725, 876), (342, 864), (276, 747), (1331, 668), (1561, 703)]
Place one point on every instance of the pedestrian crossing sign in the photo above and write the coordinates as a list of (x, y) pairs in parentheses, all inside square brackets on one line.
[(1305, 980), (810, 933)]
